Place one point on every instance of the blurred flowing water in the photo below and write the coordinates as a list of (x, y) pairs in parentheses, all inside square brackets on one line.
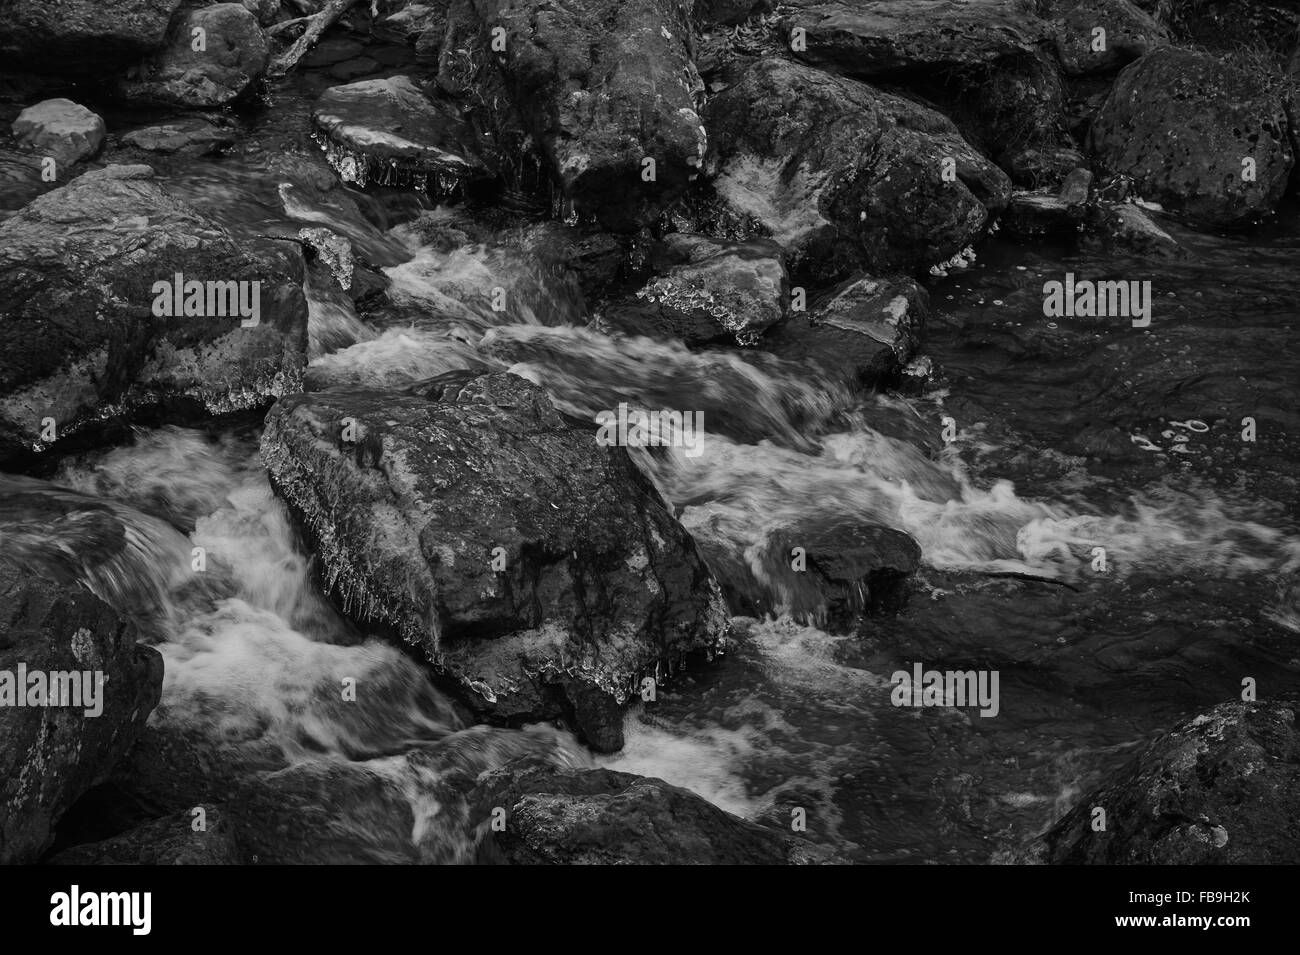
[(1200, 533)]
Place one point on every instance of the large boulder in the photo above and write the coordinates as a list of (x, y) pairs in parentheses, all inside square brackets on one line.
[(538, 570), (1198, 134), (389, 132), (82, 327), (556, 816), (1220, 789), (231, 55), (51, 754), (81, 36), (603, 85), (1230, 25), (844, 176), (894, 38), (61, 129)]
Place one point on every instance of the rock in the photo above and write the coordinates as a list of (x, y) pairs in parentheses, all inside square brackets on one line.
[(730, 290), (898, 37), (266, 11), (602, 85), (1125, 227), (1129, 33), (81, 36), (1008, 106), (1076, 188), (78, 333), (1218, 789), (851, 569), (728, 12), (860, 335), (421, 25), (189, 136), (168, 841), (387, 131), (50, 755), (233, 57), (595, 259), (1042, 167), (602, 817), (61, 129), (1181, 124), (844, 176), (600, 584), (1039, 214), (1231, 25)]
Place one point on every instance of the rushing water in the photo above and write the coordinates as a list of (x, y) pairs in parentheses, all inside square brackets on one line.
[(1199, 528)]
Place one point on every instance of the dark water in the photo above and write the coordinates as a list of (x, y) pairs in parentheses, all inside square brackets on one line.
[(1199, 527)]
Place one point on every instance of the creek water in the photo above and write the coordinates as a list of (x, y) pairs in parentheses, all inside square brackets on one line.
[(1199, 527)]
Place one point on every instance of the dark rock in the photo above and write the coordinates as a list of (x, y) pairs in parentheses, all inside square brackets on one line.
[(1042, 167), (234, 56), (50, 755), (61, 129), (601, 817), (897, 37), (602, 85), (844, 176), (1268, 26), (389, 132), (77, 329), (1037, 214), (1218, 789), (1129, 33), (189, 136), (728, 12), (1125, 227), (599, 583), (81, 36), (172, 840), (1075, 189), (862, 333), (1182, 123)]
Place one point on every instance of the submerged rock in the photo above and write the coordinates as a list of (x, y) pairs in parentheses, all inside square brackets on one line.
[(539, 571), (897, 37), (79, 333), (1125, 227), (844, 176), (233, 55), (61, 129), (1221, 788), (600, 817), (1197, 134), (603, 85), (51, 754), (860, 335), (81, 36), (389, 132), (191, 135), (717, 291)]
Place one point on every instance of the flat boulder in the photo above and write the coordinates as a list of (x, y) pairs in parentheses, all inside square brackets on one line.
[(61, 129), (84, 327), (561, 816), (190, 135), (81, 36), (1219, 789), (536, 569), (387, 131), (232, 55), (1200, 135), (846, 177), (75, 690), (893, 38)]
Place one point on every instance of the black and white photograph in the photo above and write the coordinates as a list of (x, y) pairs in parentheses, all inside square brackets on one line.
[(850, 433)]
